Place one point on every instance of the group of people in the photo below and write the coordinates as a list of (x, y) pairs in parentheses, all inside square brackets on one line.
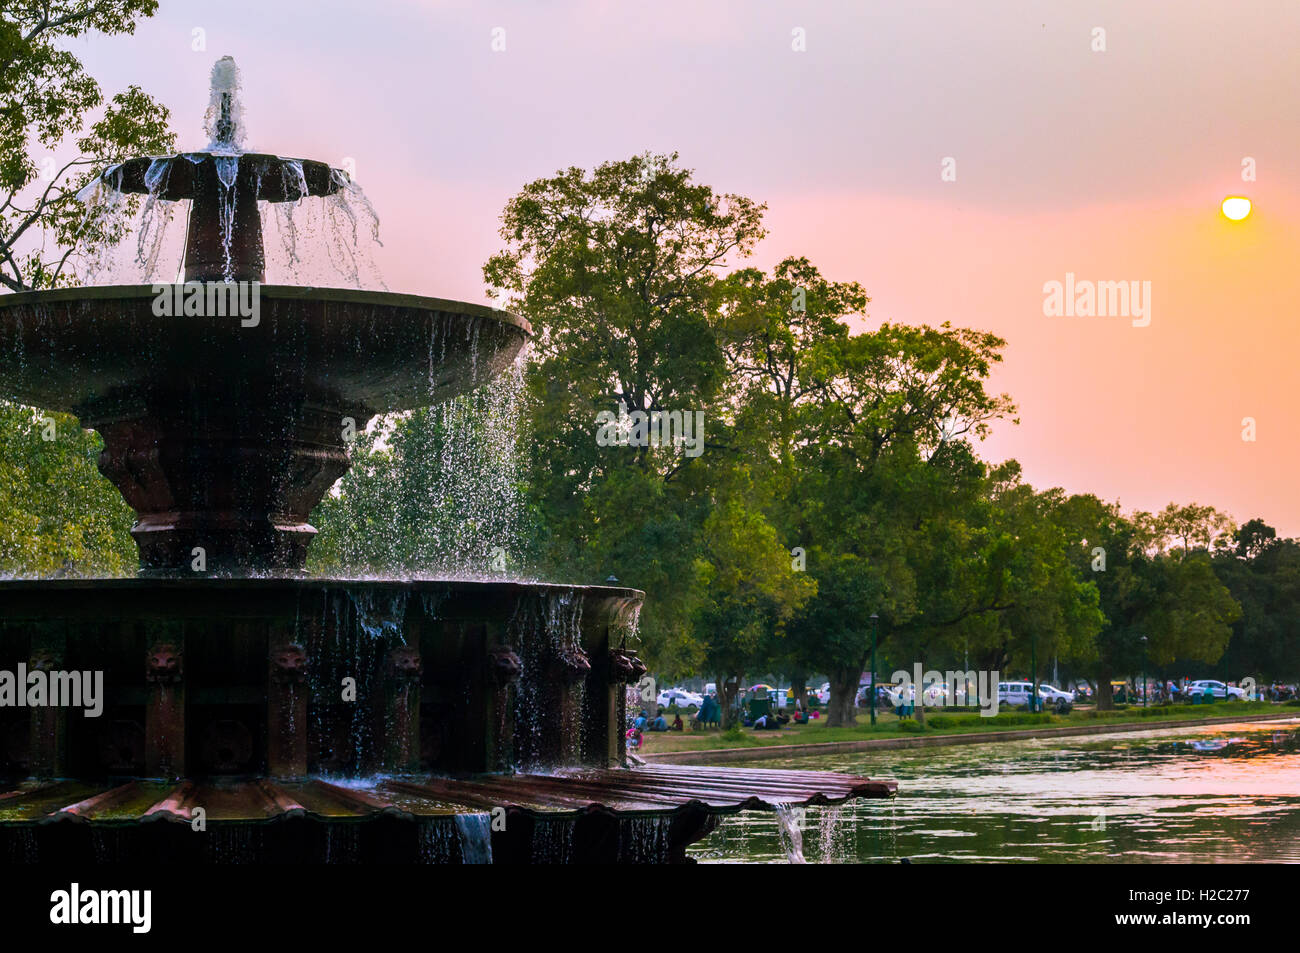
[(1277, 692), (643, 722), (710, 714), (775, 719)]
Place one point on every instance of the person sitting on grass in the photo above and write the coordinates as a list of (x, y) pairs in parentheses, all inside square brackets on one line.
[(660, 723), (677, 723)]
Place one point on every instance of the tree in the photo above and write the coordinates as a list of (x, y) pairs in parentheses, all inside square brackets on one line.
[(1263, 574), (616, 269), (57, 514), (748, 590), (46, 98), (1155, 579)]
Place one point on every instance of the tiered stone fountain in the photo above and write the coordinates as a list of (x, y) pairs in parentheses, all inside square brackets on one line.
[(308, 718)]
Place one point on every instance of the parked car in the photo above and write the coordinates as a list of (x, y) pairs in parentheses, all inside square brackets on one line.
[(689, 701), (1055, 698), (1015, 694), (1217, 688)]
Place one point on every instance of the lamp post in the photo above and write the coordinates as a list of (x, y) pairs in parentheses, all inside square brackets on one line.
[(1143, 640), (1033, 668), (874, 620)]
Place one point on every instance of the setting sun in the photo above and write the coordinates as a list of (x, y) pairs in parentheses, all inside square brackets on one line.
[(1236, 208)]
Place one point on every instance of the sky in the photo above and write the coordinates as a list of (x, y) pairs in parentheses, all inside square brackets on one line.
[(1108, 164)]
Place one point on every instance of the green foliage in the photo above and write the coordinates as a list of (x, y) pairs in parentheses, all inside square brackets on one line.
[(1158, 582), (1262, 573), (57, 514), (46, 98), (435, 490), (617, 269)]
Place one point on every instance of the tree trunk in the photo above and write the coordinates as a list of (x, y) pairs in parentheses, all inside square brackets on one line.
[(799, 686), (1104, 700), (841, 712), (728, 689)]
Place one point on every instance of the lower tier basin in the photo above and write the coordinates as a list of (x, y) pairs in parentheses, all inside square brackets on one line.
[(332, 720)]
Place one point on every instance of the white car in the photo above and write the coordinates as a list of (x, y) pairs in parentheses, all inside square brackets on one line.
[(1218, 689), (1055, 698), (1015, 694), (681, 698)]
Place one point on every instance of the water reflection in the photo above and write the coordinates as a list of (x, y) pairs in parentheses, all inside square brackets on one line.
[(1227, 793)]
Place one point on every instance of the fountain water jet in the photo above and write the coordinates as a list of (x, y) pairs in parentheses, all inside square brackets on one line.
[(290, 709)]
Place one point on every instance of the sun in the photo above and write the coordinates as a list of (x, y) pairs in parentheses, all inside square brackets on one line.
[(1236, 207)]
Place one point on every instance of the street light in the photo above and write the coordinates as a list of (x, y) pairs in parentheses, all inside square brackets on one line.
[(1033, 668), (1143, 640), (874, 619)]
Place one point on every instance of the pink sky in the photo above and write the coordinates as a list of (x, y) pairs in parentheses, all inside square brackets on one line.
[(1110, 165)]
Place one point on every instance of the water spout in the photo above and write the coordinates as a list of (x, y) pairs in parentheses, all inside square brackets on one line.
[(790, 826), (224, 119)]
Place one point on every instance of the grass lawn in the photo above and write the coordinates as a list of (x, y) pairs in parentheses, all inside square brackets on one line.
[(938, 722)]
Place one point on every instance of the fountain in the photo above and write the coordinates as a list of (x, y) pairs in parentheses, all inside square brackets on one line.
[(269, 714)]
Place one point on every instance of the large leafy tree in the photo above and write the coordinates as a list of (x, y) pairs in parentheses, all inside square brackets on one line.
[(57, 514), (47, 100), (866, 436), (617, 268)]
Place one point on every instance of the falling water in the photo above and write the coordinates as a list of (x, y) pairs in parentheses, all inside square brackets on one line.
[(235, 843), (342, 843), (475, 834), (439, 841), (326, 241), (830, 835), (344, 226), (448, 480), (380, 613), (552, 841), (25, 850), (790, 826), (643, 840)]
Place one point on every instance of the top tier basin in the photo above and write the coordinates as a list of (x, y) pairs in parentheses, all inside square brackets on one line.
[(224, 432)]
